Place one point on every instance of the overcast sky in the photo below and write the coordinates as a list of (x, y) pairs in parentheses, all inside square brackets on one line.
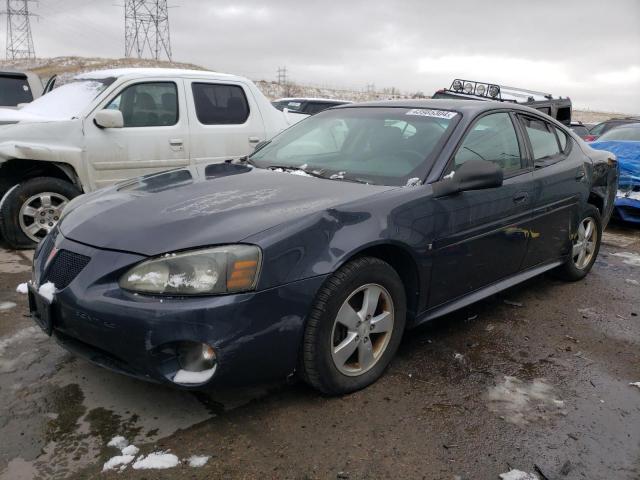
[(586, 49)]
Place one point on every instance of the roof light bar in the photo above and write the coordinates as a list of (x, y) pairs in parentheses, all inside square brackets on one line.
[(479, 89)]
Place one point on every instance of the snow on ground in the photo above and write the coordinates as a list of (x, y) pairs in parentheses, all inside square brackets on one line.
[(23, 288), (157, 461), (197, 461), (20, 335), (630, 258), (518, 475), (635, 384), (153, 461), (6, 306)]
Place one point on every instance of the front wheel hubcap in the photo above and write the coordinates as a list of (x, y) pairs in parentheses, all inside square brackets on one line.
[(584, 245), (40, 213), (362, 329)]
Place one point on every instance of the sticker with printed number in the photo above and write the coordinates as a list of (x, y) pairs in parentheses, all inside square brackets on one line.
[(421, 112)]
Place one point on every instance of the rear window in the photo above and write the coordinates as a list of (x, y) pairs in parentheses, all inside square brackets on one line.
[(219, 104), (14, 90)]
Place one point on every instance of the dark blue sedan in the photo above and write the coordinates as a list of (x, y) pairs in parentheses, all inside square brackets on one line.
[(316, 253)]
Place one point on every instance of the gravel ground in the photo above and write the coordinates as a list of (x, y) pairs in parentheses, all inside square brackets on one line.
[(535, 379)]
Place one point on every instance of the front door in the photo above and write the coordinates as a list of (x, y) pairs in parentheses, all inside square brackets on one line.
[(154, 136), (482, 234)]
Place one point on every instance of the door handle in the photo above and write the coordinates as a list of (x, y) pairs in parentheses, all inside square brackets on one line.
[(254, 140), (580, 174), (520, 197), (176, 144)]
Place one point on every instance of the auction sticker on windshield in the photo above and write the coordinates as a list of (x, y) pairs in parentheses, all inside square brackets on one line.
[(432, 113)]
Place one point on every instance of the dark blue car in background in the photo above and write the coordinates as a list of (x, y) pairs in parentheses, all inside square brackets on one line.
[(316, 253)]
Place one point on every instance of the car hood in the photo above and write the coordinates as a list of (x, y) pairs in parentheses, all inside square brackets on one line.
[(628, 155), (189, 208), (11, 115)]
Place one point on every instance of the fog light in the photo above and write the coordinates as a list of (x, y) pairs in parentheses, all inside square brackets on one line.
[(457, 85), (494, 91), (195, 357), (468, 87), (480, 90)]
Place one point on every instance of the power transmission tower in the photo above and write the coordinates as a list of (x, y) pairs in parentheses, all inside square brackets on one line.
[(282, 75), (19, 38), (146, 30)]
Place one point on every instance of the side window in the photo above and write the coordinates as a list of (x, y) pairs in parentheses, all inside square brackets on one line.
[(562, 138), (542, 138), (492, 138), (218, 104), (148, 104)]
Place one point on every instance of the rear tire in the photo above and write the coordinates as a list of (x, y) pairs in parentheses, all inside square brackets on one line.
[(37, 202), (355, 327), (585, 247)]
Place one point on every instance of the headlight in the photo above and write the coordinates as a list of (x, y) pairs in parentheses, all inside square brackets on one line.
[(228, 269)]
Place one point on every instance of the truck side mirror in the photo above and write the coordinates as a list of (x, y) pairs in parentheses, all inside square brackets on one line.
[(109, 119)]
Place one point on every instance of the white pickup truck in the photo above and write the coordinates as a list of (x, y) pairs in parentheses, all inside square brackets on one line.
[(111, 125)]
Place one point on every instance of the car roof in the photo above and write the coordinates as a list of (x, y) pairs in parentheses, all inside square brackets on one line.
[(462, 106), (155, 72)]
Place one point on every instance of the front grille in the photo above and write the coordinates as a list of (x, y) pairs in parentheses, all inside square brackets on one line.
[(64, 268)]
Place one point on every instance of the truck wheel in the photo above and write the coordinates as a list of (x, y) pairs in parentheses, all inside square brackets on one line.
[(354, 328), (31, 209), (585, 247)]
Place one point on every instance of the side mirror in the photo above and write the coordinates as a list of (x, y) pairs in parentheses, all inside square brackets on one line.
[(109, 119), (472, 175)]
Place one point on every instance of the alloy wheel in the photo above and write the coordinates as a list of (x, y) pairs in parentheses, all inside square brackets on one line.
[(40, 213), (362, 329), (584, 244)]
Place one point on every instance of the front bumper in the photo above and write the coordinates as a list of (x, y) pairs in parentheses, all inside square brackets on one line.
[(256, 335)]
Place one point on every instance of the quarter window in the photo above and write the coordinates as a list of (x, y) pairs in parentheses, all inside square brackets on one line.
[(493, 138), (218, 104), (543, 139), (148, 105)]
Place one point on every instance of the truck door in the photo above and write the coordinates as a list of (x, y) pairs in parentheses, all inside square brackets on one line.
[(154, 136), (225, 121)]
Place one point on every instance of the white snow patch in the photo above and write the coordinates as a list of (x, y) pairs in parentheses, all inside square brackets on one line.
[(413, 182), (187, 378), (119, 442), (156, 460), (633, 195), (23, 288), (630, 281), (522, 403), (635, 384), (459, 357), (338, 176), (6, 306), (117, 461), (48, 291), (19, 336), (197, 461), (632, 259), (518, 475), (450, 175), (130, 450)]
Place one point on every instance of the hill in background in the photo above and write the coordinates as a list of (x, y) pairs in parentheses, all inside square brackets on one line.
[(67, 67)]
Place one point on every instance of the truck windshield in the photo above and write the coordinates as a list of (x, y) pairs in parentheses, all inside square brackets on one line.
[(14, 89), (384, 146), (68, 101)]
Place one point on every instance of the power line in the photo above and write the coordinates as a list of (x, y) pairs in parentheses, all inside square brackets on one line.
[(146, 31), (19, 37)]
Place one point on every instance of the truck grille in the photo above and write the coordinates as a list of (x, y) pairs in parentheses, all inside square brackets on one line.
[(64, 268)]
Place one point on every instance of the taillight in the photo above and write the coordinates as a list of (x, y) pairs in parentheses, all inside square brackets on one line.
[(590, 138)]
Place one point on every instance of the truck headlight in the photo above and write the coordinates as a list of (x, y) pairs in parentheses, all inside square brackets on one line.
[(218, 270)]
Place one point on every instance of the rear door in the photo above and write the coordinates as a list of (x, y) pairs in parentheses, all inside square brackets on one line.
[(225, 121), (560, 184), (482, 234), (154, 137)]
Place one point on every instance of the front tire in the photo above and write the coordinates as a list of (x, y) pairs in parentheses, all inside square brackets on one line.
[(355, 327), (31, 209), (585, 246)]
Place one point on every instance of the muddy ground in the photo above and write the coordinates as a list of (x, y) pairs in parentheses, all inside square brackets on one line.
[(536, 379)]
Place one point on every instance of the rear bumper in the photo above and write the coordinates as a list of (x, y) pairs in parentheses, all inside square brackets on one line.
[(256, 335), (628, 209)]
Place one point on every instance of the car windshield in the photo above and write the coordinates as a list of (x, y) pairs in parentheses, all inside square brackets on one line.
[(68, 101), (385, 146), (628, 132)]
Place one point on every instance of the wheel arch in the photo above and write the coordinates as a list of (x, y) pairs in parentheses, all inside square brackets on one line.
[(402, 261), (17, 170)]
